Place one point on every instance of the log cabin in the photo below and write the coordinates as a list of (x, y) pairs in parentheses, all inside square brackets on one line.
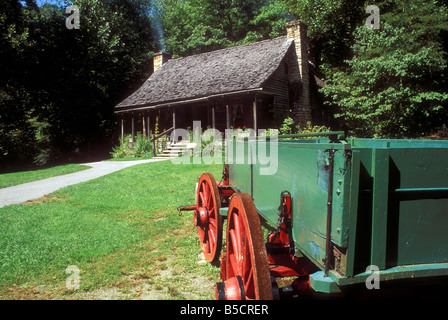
[(249, 86)]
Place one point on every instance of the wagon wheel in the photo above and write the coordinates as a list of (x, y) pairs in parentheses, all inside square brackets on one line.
[(207, 217), (246, 258)]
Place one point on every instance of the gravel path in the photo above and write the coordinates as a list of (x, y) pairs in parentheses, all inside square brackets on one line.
[(37, 189)]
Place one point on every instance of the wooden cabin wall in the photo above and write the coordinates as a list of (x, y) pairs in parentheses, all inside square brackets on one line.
[(277, 85)]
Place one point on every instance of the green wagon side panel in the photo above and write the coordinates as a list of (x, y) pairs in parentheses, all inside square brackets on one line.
[(409, 180), (303, 171), (418, 220), (390, 201)]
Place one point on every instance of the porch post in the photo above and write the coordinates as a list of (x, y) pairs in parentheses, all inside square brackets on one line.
[(122, 128), (144, 125), (255, 114), (213, 117), (174, 121), (227, 117), (133, 130)]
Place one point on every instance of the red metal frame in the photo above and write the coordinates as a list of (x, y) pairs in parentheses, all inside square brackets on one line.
[(281, 259), (225, 191), (224, 188)]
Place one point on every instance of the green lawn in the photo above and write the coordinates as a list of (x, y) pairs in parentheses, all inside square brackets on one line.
[(122, 231), (16, 178)]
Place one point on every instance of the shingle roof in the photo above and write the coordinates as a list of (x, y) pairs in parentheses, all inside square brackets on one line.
[(223, 71)]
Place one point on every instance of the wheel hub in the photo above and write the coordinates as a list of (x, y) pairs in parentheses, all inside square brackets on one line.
[(201, 217), (231, 289)]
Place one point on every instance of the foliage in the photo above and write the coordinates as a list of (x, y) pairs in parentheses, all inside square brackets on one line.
[(196, 26), (442, 133), (290, 127), (141, 147), (395, 85), (330, 26), (310, 128), (58, 86)]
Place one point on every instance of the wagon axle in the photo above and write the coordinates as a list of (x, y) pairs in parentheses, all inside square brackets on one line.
[(231, 289), (200, 215)]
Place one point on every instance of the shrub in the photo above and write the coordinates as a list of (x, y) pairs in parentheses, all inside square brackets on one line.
[(309, 128), (289, 127), (141, 147)]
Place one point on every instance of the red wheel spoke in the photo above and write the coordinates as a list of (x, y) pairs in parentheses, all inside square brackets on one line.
[(250, 277), (234, 265), (235, 244), (206, 247), (201, 234), (209, 198), (211, 238), (248, 282), (237, 224), (212, 224), (201, 194)]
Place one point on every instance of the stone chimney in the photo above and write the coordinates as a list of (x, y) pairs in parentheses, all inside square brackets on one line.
[(299, 74), (159, 59)]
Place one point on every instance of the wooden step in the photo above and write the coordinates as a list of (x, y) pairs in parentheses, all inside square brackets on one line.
[(173, 151)]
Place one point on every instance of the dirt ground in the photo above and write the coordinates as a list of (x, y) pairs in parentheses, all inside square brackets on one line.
[(137, 286)]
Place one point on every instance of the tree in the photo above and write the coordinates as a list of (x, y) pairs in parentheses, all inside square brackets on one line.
[(330, 26), (59, 86), (395, 84), (14, 43), (195, 26)]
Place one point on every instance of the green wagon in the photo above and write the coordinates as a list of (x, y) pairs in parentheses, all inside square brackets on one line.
[(344, 212)]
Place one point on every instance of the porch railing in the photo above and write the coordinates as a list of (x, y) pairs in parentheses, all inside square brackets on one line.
[(153, 140)]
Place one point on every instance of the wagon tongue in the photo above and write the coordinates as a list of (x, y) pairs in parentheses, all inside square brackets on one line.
[(186, 208)]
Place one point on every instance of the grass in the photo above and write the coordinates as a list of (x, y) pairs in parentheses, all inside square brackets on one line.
[(122, 231), (16, 178)]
